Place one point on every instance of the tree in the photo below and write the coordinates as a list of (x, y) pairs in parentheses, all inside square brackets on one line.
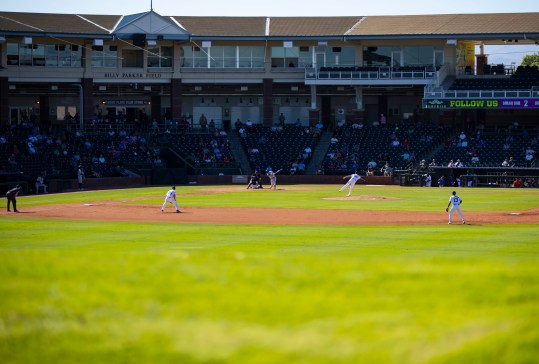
[(530, 60)]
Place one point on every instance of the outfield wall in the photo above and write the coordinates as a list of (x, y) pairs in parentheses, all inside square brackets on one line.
[(286, 180)]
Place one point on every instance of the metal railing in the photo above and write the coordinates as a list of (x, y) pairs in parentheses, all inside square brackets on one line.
[(370, 73)]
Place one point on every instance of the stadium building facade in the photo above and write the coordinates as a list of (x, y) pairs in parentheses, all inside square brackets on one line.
[(56, 67)]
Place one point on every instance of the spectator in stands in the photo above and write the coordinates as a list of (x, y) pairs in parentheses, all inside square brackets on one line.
[(512, 162), (238, 124), (340, 124), (395, 142), (462, 136), (405, 156), (451, 164), (249, 125), (387, 170), (12, 160), (294, 167), (370, 171), (505, 163), (434, 163), (96, 172), (203, 121), (459, 164), (319, 126), (334, 140), (530, 159), (40, 183), (475, 159), (383, 120), (517, 183), (308, 150), (281, 119), (301, 167)]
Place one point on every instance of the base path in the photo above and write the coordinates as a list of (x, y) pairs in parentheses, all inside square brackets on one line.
[(117, 211)]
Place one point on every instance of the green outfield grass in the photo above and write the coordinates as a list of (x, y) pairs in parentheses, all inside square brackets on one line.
[(124, 292)]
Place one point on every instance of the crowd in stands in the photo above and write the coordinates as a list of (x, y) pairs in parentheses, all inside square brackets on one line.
[(375, 148)]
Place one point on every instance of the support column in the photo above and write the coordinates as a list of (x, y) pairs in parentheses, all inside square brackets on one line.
[(314, 112), (313, 97), (88, 101), (4, 101), (44, 117), (359, 111), (176, 99), (156, 107), (268, 102)]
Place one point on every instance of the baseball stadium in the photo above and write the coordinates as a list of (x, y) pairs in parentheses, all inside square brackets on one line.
[(101, 115)]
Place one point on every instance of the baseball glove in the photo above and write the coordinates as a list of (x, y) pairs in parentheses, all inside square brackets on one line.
[(447, 209)]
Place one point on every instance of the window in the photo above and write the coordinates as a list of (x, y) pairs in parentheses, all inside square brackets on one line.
[(25, 55), (160, 56), (132, 58), (378, 56), (105, 56), (223, 57), (51, 56), (40, 55), (12, 54), (251, 57), (284, 57)]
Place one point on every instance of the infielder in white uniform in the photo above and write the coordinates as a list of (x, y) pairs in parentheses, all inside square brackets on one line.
[(456, 201), (354, 177), (170, 197)]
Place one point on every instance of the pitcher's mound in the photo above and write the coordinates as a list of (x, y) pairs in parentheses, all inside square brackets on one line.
[(362, 198)]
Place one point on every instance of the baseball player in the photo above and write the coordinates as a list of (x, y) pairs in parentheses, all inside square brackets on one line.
[(171, 197), (456, 201), (273, 178), (11, 196), (354, 177), (80, 177)]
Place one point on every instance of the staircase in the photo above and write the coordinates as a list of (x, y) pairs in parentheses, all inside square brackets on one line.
[(319, 153), (239, 152)]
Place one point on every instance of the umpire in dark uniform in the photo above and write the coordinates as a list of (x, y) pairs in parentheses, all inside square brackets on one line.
[(12, 197)]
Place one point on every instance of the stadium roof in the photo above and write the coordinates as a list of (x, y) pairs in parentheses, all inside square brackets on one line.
[(522, 25)]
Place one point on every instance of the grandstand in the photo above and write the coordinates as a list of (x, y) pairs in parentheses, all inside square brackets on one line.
[(124, 95)]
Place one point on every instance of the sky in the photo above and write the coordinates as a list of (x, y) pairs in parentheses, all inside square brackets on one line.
[(271, 7), (498, 54)]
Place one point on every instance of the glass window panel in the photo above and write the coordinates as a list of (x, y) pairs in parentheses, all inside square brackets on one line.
[(216, 56), (12, 54), (64, 55), (132, 58), (51, 56), (377, 56), (258, 55), (229, 57), (153, 56), (167, 55), (76, 56), (110, 54), (348, 56), (186, 57), (25, 55), (200, 57), (97, 56)]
